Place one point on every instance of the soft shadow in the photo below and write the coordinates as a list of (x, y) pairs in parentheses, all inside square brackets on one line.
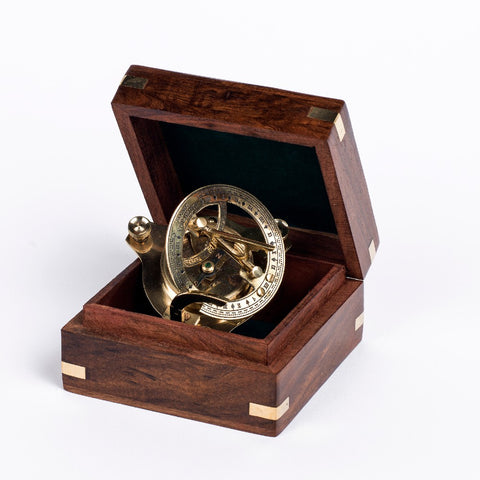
[(49, 365)]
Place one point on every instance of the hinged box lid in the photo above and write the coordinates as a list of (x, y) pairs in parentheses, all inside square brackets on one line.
[(295, 152)]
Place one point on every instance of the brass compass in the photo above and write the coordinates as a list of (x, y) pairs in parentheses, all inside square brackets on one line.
[(207, 268)]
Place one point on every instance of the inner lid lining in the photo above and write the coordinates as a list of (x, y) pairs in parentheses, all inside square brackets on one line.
[(283, 176)]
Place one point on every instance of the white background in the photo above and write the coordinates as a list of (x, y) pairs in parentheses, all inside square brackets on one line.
[(405, 404)]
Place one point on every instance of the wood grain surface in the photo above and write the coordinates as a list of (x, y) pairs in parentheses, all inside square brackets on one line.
[(255, 111), (122, 310), (215, 388), (133, 356)]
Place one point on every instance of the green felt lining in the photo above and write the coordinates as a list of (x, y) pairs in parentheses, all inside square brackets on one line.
[(285, 177)]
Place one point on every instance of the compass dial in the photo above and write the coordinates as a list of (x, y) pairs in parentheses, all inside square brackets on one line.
[(198, 248)]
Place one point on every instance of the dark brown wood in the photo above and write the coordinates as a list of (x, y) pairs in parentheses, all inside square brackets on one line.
[(305, 309), (151, 375), (355, 222), (307, 283), (301, 374), (216, 389), (253, 111), (228, 106), (133, 356)]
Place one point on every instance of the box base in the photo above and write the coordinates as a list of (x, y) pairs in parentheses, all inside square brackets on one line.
[(214, 388)]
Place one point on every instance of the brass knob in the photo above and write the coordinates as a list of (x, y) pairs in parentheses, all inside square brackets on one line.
[(283, 226), (139, 228)]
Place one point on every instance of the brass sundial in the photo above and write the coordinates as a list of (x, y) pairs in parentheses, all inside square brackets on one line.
[(206, 268)]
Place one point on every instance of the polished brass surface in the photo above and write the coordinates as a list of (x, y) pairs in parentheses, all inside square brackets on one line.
[(139, 228), (206, 269), (283, 226), (269, 413), (159, 293), (73, 370), (372, 251), (253, 244), (134, 82), (322, 114), (340, 127), (329, 116), (359, 321)]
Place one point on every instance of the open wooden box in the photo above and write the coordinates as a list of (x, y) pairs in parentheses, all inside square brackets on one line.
[(297, 154)]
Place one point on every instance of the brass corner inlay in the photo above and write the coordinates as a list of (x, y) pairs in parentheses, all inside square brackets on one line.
[(270, 413), (133, 82), (329, 116), (359, 321), (322, 114), (340, 127), (372, 250), (73, 370)]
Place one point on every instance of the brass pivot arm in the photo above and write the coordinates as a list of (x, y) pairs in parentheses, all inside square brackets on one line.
[(230, 237), (235, 245)]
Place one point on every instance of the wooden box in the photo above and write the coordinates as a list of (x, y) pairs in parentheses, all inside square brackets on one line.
[(297, 154)]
